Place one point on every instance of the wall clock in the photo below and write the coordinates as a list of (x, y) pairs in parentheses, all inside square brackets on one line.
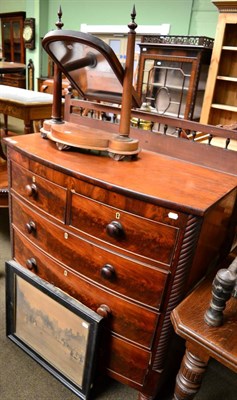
[(29, 33)]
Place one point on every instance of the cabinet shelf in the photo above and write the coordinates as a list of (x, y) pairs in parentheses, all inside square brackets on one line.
[(224, 107), (229, 48), (169, 114), (219, 104), (173, 87), (227, 78)]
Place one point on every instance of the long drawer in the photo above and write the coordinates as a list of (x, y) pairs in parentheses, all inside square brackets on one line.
[(119, 274), (127, 319), (138, 235)]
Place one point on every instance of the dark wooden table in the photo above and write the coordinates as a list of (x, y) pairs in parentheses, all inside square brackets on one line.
[(203, 341), (11, 67)]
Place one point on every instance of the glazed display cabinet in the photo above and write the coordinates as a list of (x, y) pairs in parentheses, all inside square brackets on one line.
[(172, 73), (13, 49)]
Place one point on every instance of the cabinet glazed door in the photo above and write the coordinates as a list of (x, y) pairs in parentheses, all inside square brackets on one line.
[(12, 40)]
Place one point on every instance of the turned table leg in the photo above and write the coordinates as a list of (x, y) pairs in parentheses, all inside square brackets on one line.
[(189, 378), (28, 126), (5, 126)]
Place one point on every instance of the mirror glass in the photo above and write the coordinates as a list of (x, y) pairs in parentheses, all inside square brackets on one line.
[(90, 65)]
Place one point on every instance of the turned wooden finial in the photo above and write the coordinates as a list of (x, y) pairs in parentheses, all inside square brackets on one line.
[(223, 287), (124, 127), (59, 24), (132, 25)]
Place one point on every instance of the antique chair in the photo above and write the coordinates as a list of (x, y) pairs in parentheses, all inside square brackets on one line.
[(209, 333)]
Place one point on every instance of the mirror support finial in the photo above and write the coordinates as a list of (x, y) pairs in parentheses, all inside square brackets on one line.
[(132, 25), (59, 24), (124, 127)]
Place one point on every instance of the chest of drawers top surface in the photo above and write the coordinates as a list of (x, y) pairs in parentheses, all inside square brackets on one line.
[(151, 177)]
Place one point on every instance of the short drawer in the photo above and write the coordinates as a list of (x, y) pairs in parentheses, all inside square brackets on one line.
[(141, 283), (138, 235), (48, 196), (127, 361), (125, 318)]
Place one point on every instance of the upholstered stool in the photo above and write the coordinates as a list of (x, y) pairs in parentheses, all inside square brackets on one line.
[(28, 106), (24, 104)]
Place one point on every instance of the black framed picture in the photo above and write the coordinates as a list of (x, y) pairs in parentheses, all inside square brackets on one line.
[(56, 330)]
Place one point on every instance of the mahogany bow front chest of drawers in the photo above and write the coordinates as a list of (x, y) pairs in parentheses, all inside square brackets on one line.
[(128, 239)]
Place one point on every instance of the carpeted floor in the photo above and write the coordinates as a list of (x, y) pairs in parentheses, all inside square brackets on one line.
[(21, 378)]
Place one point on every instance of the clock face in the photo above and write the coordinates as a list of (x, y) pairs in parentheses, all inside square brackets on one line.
[(27, 33)]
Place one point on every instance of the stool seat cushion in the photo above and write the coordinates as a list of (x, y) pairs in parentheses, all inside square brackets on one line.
[(24, 96)]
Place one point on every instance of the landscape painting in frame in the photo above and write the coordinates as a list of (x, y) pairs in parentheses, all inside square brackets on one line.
[(56, 330)]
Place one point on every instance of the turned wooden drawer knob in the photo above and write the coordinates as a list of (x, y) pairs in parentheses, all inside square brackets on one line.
[(115, 229), (31, 190), (103, 310), (30, 226), (107, 272), (31, 263)]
